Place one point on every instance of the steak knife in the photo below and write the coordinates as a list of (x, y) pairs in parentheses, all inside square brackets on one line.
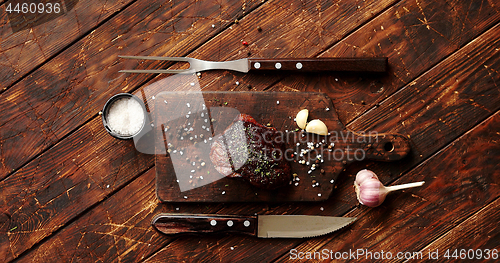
[(262, 226)]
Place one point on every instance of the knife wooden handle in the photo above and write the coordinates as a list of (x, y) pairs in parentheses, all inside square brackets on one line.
[(181, 223), (320, 64)]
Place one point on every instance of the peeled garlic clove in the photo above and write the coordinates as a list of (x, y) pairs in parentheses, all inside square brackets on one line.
[(301, 118), (317, 126)]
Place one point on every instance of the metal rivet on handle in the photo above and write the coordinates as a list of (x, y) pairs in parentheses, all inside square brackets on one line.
[(298, 65), (277, 65), (256, 65), (213, 222), (246, 223), (229, 223)]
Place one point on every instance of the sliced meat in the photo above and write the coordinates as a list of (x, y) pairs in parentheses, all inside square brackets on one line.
[(253, 152)]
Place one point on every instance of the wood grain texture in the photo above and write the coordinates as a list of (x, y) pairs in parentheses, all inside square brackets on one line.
[(117, 229), (74, 86), (378, 65), (420, 37), (459, 182), (445, 102), (295, 29), (171, 223), (415, 35), (484, 223), (56, 110), (43, 36), (181, 178), (60, 184), (344, 199)]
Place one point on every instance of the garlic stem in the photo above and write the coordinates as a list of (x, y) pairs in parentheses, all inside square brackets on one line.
[(403, 186)]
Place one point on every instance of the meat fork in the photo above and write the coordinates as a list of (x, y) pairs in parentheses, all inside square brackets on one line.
[(245, 65)]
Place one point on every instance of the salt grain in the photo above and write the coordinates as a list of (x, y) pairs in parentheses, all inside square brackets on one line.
[(126, 116)]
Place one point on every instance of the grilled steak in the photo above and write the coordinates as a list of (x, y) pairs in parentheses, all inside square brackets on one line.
[(253, 152)]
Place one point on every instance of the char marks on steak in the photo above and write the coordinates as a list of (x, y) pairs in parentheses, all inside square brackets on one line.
[(253, 152)]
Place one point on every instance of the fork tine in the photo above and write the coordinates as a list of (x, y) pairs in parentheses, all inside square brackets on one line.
[(156, 58), (156, 71)]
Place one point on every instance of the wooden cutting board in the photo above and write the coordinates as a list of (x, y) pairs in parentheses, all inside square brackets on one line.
[(186, 174)]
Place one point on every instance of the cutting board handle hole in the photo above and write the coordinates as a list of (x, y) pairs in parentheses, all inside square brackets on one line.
[(389, 147)]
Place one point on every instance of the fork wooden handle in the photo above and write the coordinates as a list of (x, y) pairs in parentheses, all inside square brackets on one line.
[(320, 64)]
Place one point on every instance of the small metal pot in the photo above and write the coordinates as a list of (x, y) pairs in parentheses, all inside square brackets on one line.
[(105, 112)]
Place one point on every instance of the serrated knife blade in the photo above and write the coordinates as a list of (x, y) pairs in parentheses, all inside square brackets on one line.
[(262, 226)]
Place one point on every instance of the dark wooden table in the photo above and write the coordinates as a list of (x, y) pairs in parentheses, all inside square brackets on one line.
[(70, 192)]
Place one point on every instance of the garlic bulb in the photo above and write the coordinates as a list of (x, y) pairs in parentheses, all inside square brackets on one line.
[(363, 175), (317, 126), (371, 192), (301, 118)]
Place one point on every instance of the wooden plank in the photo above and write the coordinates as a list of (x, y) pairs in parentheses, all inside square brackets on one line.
[(468, 237), (74, 86), (118, 229), (315, 207), (445, 102), (25, 41), (411, 219), (296, 28), (473, 77), (60, 183), (415, 35)]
